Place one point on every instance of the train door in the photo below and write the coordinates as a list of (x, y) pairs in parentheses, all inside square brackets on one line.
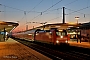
[(53, 35)]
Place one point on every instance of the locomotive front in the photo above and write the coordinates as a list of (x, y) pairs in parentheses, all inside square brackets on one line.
[(61, 36)]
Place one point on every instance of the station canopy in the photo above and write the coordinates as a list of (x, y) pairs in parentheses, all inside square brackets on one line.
[(82, 26), (7, 26), (60, 26), (85, 26)]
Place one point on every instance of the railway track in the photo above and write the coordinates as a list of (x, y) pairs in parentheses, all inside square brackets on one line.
[(56, 53)]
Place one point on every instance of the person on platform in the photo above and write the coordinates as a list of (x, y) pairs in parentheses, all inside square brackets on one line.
[(7, 36)]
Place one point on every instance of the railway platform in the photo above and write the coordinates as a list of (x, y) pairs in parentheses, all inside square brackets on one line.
[(78, 44), (13, 50)]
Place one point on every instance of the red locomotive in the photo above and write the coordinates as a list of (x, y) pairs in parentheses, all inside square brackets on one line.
[(52, 36)]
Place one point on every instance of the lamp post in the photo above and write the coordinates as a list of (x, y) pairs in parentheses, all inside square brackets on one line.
[(43, 24), (77, 19), (77, 30)]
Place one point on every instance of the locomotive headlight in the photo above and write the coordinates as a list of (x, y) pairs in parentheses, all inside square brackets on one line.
[(57, 41), (61, 36), (66, 41)]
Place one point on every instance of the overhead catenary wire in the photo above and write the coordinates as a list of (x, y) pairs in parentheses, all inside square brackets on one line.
[(32, 9), (73, 11), (41, 13), (51, 7), (46, 10), (78, 10), (64, 5), (11, 7), (17, 9), (53, 10), (35, 6), (71, 2), (55, 18), (38, 4), (23, 10), (87, 2), (84, 15), (60, 8)]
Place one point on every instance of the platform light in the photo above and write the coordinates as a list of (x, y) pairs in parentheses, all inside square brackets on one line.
[(57, 26), (71, 23), (29, 34), (70, 26), (77, 18), (72, 33), (9, 25), (60, 30), (77, 27)]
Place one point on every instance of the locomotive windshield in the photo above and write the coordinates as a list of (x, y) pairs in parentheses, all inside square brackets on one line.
[(61, 33)]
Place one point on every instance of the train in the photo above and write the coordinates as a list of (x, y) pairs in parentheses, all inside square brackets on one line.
[(52, 36)]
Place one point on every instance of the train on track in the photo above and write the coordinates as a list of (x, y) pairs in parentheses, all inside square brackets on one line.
[(52, 36)]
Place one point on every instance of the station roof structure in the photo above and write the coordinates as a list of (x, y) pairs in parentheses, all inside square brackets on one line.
[(85, 26), (8, 26), (59, 26), (65, 26), (82, 26)]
